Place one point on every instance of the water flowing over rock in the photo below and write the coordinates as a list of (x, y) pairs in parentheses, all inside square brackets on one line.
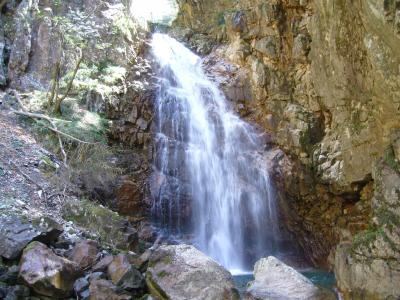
[(274, 280), (183, 272), (210, 178)]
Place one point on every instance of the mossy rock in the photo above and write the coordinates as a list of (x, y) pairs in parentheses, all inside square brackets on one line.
[(105, 225)]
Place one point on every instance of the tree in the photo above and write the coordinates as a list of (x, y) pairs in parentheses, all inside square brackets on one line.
[(55, 84)]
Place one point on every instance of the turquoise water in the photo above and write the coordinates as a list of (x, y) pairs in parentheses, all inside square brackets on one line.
[(318, 277), (241, 282), (322, 278)]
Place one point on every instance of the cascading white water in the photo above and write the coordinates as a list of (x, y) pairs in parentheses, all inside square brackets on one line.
[(209, 176)]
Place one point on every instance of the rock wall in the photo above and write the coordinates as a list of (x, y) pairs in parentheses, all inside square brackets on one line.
[(323, 78)]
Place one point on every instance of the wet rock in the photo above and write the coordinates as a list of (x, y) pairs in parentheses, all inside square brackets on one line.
[(46, 273), (103, 264), (10, 276), (275, 281), (85, 294), (104, 290), (130, 199), (125, 275), (183, 272), (81, 285), (16, 233), (85, 253), (96, 276), (3, 290)]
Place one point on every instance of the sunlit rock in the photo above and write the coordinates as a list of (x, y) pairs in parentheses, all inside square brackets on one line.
[(275, 280), (183, 272), (46, 273)]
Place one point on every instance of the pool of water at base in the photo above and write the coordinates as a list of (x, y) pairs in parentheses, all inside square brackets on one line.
[(318, 277)]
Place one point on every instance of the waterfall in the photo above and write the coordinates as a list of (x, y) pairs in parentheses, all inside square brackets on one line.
[(210, 182)]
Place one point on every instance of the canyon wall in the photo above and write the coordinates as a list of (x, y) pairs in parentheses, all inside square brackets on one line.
[(322, 77)]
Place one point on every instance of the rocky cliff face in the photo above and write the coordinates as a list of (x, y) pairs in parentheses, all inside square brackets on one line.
[(323, 78)]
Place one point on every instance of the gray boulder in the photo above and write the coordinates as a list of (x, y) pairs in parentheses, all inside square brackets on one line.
[(275, 280), (182, 272), (16, 233)]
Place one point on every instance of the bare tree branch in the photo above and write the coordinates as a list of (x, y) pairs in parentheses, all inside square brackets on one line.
[(53, 128)]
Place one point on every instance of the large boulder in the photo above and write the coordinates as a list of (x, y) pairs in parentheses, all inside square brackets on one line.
[(275, 280), (16, 233), (85, 253), (181, 272), (46, 273)]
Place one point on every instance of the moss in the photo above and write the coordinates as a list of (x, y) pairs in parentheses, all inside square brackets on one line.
[(154, 288), (390, 160), (388, 218), (357, 125), (30, 246), (100, 221), (305, 139), (221, 18), (235, 293), (162, 274), (167, 260), (367, 238), (364, 238)]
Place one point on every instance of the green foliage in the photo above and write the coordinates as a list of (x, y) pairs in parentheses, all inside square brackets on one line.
[(162, 274), (125, 26), (365, 238), (221, 18), (101, 222), (390, 159), (103, 78), (387, 218)]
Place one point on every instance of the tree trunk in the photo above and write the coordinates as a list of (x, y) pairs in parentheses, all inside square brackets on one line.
[(59, 100)]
